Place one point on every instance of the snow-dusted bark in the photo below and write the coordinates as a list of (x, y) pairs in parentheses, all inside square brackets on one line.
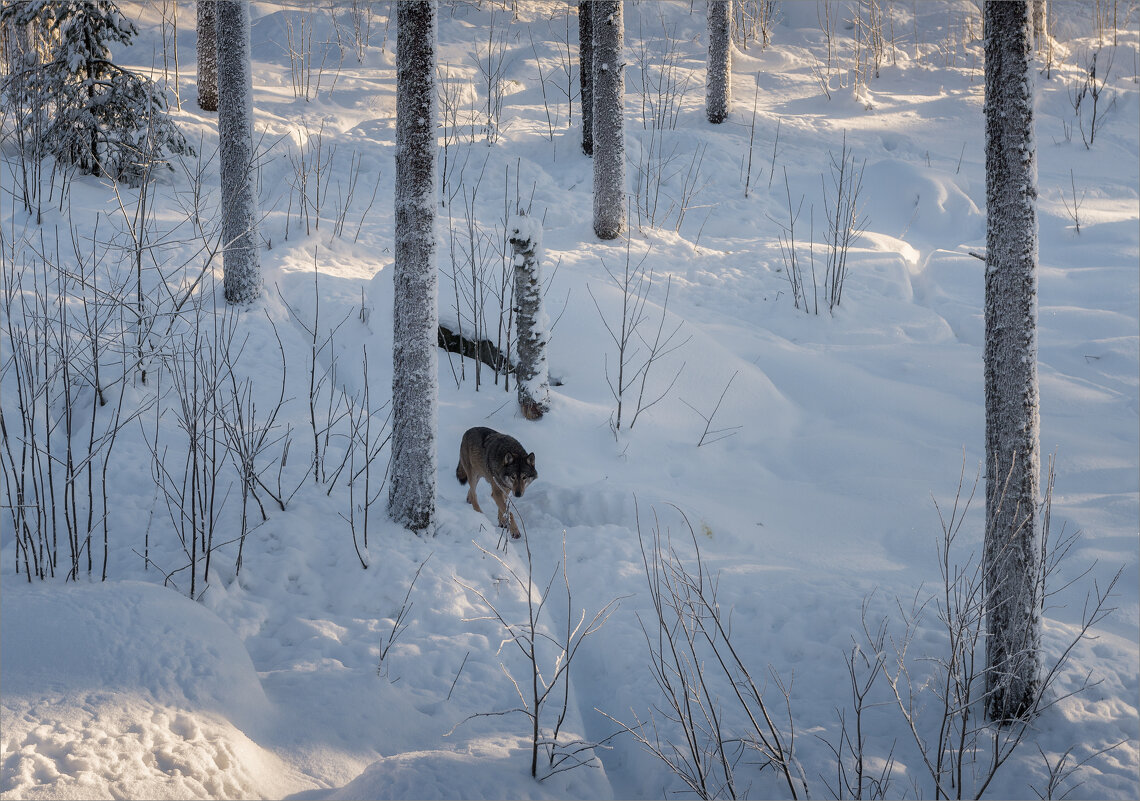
[(241, 260), (207, 56), (609, 120), (586, 72), (718, 76), (531, 323), (415, 396), (1012, 550), (1039, 20)]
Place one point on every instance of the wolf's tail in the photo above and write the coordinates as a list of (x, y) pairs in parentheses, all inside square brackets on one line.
[(460, 473)]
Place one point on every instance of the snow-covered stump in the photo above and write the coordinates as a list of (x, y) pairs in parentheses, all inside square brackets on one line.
[(532, 374), (207, 56), (241, 262), (609, 120), (718, 75), (1012, 549), (415, 318)]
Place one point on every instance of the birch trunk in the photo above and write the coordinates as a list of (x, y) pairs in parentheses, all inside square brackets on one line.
[(1012, 551)]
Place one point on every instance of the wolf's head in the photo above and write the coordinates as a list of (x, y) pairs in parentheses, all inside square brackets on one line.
[(516, 472)]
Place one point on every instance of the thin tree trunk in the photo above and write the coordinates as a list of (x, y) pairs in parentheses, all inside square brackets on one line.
[(1039, 20), (207, 56), (1012, 553), (586, 72), (533, 376), (718, 75), (412, 488), (241, 260), (609, 119)]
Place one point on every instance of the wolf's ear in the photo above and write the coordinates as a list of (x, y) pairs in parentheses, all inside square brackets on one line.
[(530, 459), (509, 458)]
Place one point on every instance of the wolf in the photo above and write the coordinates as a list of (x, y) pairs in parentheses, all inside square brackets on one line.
[(499, 458)]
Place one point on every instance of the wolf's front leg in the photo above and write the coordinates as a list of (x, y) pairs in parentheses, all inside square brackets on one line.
[(506, 518)]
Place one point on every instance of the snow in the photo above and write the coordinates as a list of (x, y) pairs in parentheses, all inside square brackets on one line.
[(526, 229), (127, 688), (845, 430)]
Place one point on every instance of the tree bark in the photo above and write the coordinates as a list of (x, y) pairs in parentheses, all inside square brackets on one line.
[(586, 72), (415, 397), (241, 260), (718, 74), (1012, 552), (207, 56), (532, 374), (1039, 20), (609, 119)]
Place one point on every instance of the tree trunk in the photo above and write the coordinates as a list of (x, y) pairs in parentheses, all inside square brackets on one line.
[(586, 72), (241, 260), (532, 374), (718, 75), (1039, 19), (609, 120), (207, 56), (1012, 553), (415, 397)]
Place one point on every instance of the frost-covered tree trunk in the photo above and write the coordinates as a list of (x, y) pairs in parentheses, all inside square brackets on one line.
[(533, 376), (718, 75), (1012, 552), (609, 120), (586, 72), (207, 56), (415, 397), (1039, 19), (241, 261)]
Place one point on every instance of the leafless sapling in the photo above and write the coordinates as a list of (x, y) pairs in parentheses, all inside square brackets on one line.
[(548, 657), (699, 671), (636, 354)]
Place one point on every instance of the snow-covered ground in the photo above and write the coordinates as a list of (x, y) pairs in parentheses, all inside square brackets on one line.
[(307, 676)]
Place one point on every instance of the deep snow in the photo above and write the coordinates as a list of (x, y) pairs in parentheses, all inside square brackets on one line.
[(845, 428)]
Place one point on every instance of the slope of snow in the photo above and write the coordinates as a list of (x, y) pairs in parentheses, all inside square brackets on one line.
[(308, 676)]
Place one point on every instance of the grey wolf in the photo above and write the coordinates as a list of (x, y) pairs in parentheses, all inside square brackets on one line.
[(499, 458)]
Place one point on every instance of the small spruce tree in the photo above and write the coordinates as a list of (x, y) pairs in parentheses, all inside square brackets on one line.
[(104, 119)]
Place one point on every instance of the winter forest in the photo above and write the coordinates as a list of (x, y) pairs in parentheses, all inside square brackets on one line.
[(787, 355)]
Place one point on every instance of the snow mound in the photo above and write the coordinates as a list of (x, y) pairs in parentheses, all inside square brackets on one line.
[(479, 773), (127, 689), (924, 206)]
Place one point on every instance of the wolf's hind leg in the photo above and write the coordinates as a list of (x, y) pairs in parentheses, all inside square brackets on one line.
[(472, 498)]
